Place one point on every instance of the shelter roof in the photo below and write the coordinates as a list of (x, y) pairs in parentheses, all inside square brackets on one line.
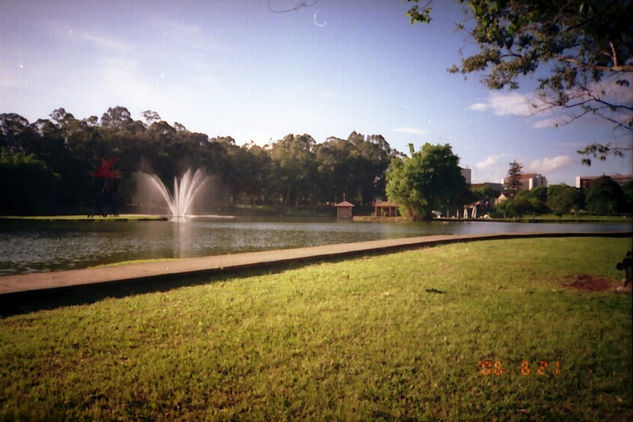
[(385, 204), (344, 204)]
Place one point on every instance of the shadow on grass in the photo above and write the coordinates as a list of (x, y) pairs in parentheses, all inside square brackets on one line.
[(26, 302), (33, 301)]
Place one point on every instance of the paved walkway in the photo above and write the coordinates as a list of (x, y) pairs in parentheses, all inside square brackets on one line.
[(219, 263)]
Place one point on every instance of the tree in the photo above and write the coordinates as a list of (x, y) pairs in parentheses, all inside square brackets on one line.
[(116, 117), (512, 182), (295, 167), (428, 180), (354, 166), (525, 202), (150, 117), (27, 184), (604, 197), (627, 188), (582, 52), (562, 199)]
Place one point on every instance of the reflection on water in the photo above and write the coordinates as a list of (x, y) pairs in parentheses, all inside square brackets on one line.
[(33, 246)]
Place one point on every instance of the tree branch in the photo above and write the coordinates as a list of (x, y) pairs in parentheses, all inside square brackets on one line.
[(614, 68)]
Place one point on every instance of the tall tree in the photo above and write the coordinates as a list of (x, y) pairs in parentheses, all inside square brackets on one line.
[(428, 180), (512, 182), (581, 50)]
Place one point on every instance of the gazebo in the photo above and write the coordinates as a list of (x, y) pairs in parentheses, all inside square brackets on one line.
[(344, 209), (385, 209)]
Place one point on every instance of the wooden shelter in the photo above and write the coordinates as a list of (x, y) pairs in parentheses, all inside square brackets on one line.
[(344, 209), (385, 209)]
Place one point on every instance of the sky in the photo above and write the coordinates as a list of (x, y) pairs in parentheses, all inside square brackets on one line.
[(238, 68)]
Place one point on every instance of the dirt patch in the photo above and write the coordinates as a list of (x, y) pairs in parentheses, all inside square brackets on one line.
[(595, 283)]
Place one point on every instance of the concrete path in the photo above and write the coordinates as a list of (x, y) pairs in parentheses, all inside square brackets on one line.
[(213, 264)]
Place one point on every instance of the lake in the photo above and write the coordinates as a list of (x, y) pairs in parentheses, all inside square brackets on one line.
[(36, 246)]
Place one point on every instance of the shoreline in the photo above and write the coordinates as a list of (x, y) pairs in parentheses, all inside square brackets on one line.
[(61, 280)]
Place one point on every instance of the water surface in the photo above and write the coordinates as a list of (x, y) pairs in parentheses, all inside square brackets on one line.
[(35, 246)]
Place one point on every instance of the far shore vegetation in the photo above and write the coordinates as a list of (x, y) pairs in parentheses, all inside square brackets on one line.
[(490, 330), (66, 165)]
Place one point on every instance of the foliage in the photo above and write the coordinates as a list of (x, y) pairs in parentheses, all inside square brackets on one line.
[(359, 339), (562, 199), (582, 52), (293, 157), (26, 183), (485, 193), (627, 189), (512, 182), (604, 197), (525, 201), (292, 171), (429, 180)]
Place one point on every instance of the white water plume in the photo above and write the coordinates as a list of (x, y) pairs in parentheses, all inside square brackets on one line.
[(185, 190)]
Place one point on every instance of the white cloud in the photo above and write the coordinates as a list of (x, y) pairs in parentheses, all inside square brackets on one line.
[(549, 122), (548, 165), (410, 130), (531, 105), (490, 161), (479, 107), (507, 104)]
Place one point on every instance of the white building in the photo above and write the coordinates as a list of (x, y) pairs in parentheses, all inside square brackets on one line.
[(466, 173), (529, 181)]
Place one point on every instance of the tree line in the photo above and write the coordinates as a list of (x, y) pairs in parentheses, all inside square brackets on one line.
[(46, 165), (429, 182), (603, 196)]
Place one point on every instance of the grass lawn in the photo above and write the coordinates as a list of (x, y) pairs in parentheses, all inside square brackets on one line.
[(442, 333)]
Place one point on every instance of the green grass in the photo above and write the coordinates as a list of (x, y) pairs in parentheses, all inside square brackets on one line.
[(121, 217), (356, 339)]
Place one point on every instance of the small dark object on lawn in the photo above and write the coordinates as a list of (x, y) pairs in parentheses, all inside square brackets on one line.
[(627, 266), (432, 290)]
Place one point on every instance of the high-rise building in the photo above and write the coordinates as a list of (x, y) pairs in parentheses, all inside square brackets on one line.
[(529, 181)]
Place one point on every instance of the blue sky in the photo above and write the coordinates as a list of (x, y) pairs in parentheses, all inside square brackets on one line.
[(236, 68)]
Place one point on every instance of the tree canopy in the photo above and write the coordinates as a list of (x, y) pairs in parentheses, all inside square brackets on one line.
[(581, 51), (604, 197), (562, 199), (428, 180), (293, 171)]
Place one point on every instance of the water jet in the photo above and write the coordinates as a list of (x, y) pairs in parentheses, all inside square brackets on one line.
[(180, 200)]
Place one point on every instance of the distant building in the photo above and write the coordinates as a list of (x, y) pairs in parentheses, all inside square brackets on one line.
[(529, 181), (583, 181), (385, 209), (466, 173)]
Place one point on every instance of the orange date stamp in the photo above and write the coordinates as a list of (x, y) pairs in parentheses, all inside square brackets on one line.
[(539, 368)]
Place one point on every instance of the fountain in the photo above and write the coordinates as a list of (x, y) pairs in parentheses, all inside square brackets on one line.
[(184, 192)]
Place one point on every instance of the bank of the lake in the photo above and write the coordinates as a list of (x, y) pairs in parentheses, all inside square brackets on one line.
[(84, 217), (39, 245), (404, 335)]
